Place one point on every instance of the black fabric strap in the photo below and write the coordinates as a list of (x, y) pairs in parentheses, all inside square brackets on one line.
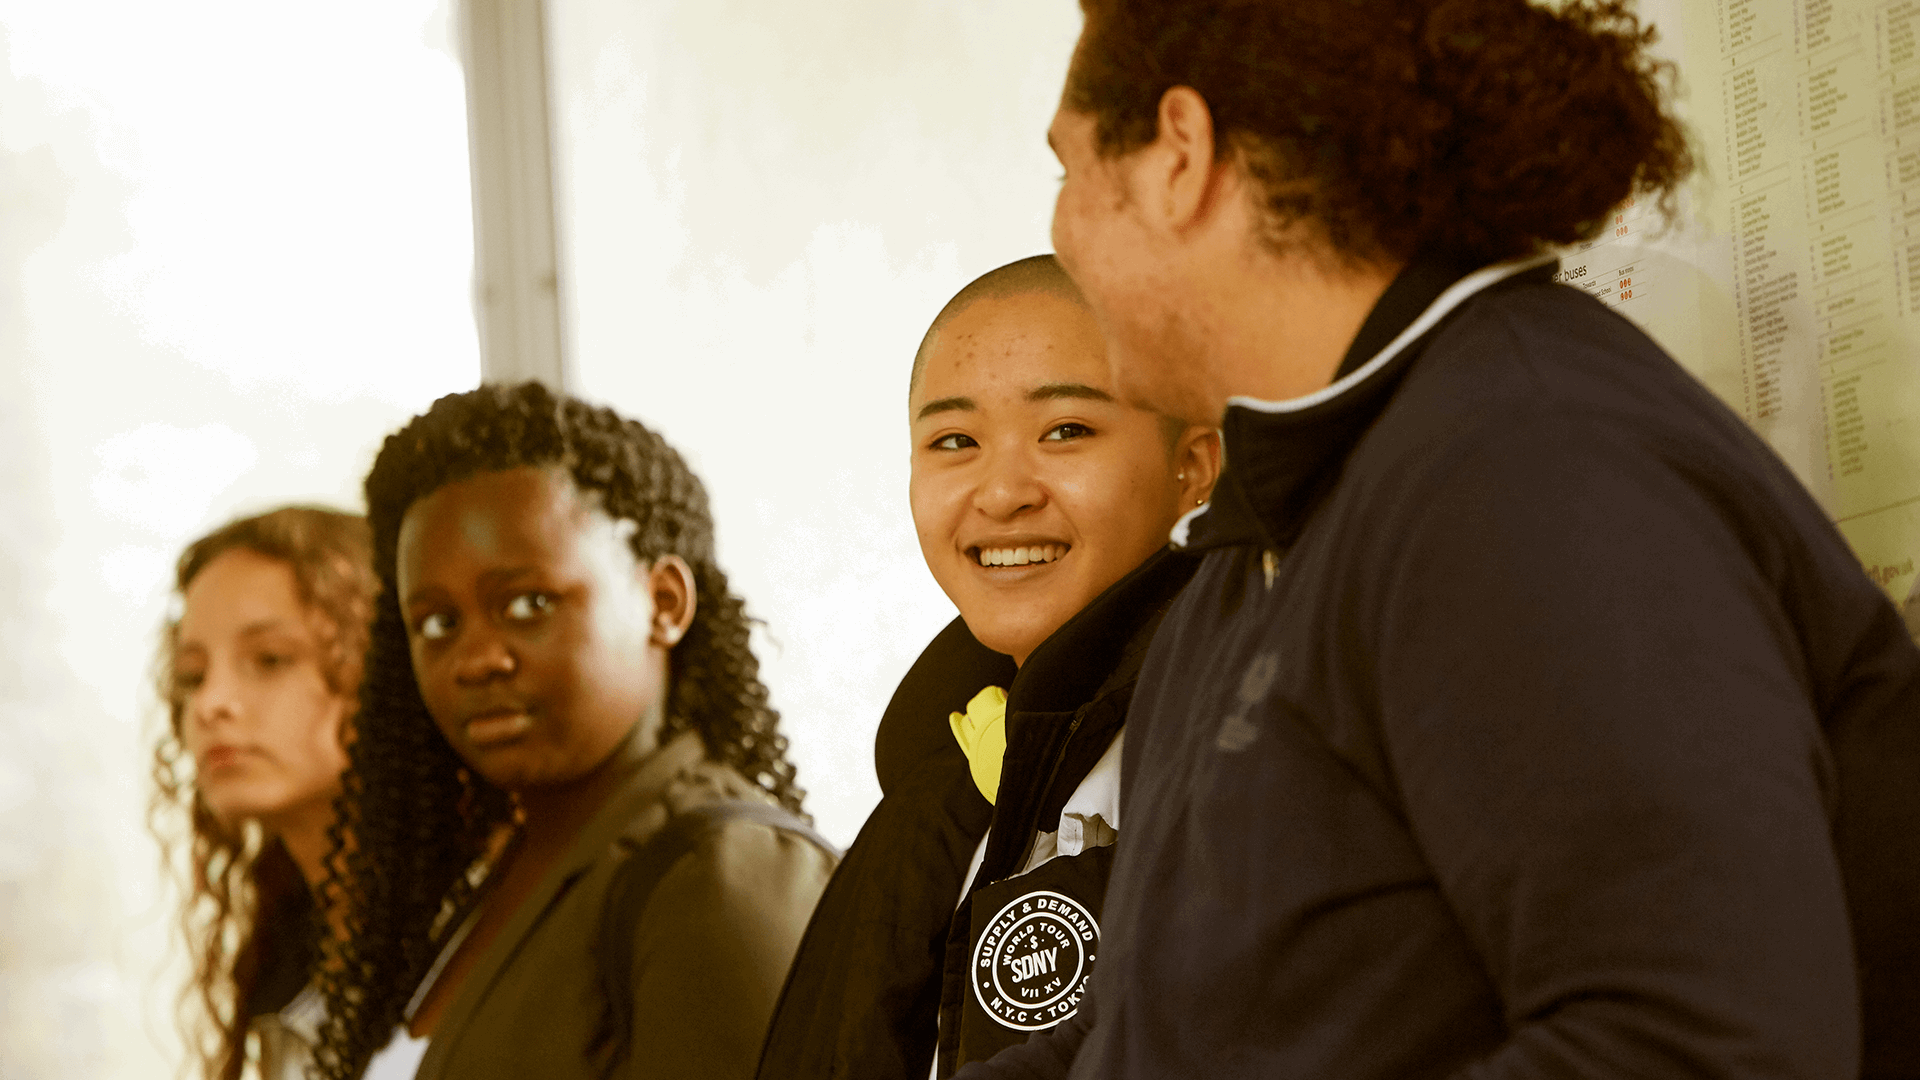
[(641, 872)]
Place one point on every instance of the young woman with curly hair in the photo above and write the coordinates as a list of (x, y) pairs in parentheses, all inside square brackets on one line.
[(260, 673), (557, 659), (1525, 717)]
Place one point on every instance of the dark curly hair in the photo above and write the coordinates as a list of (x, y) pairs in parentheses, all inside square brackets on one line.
[(1470, 130), (248, 920), (419, 819)]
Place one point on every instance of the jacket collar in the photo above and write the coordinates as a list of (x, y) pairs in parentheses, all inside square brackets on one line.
[(1102, 646), (636, 810), (949, 671), (1282, 456)]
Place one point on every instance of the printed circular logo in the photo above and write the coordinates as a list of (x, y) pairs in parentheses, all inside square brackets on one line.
[(1033, 961)]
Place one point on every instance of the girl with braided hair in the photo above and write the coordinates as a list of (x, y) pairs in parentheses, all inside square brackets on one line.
[(574, 849), (259, 673)]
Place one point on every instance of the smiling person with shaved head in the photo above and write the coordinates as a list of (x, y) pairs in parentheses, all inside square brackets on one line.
[(966, 915)]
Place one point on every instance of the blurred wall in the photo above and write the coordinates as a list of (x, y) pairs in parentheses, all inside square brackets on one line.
[(234, 252), (762, 207)]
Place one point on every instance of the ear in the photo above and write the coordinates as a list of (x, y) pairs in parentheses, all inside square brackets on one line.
[(670, 587), (1196, 461), (1181, 176)]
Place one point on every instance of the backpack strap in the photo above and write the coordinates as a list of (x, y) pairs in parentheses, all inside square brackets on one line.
[(641, 872)]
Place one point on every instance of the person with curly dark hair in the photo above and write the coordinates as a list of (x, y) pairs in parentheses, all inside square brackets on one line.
[(557, 660), (1526, 717), (260, 672)]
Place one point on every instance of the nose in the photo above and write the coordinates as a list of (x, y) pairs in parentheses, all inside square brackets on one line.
[(1009, 486), (216, 700), (483, 657)]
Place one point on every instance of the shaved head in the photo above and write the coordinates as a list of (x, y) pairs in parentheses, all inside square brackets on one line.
[(1038, 274)]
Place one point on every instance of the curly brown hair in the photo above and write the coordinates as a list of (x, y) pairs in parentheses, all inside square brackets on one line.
[(1467, 130), (419, 819), (248, 915)]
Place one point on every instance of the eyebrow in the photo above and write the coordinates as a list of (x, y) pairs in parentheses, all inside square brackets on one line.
[(1043, 392), (496, 578), (506, 577), (946, 404), (1052, 391), (249, 632)]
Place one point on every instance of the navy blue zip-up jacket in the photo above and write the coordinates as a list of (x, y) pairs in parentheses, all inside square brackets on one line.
[(1526, 718)]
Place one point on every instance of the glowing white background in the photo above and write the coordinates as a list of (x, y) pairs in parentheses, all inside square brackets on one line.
[(235, 250), (763, 206)]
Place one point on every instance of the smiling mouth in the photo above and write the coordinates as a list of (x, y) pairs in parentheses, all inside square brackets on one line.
[(498, 727), (1029, 555)]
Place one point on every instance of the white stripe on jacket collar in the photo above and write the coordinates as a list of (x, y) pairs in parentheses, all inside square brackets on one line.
[(1457, 293), (1178, 535)]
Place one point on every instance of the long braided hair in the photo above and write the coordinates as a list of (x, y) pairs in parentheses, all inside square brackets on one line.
[(248, 919), (420, 821)]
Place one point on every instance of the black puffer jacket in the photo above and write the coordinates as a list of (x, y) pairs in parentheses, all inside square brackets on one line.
[(880, 976)]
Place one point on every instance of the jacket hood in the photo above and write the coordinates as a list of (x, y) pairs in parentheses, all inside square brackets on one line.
[(1099, 646), (950, 670)]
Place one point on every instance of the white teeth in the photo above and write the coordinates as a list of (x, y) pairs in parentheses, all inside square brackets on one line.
[(1021, 556)]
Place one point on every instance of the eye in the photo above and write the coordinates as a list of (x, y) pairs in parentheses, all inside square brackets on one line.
[(955, 441), (269, 662), (527, 606), (186, 682), (435, 626), (1066, 431)]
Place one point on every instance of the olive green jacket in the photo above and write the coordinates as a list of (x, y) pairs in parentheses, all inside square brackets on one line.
[(711, 949)]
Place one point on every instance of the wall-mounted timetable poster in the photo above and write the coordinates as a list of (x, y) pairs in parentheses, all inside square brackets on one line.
[(1790, 283)]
